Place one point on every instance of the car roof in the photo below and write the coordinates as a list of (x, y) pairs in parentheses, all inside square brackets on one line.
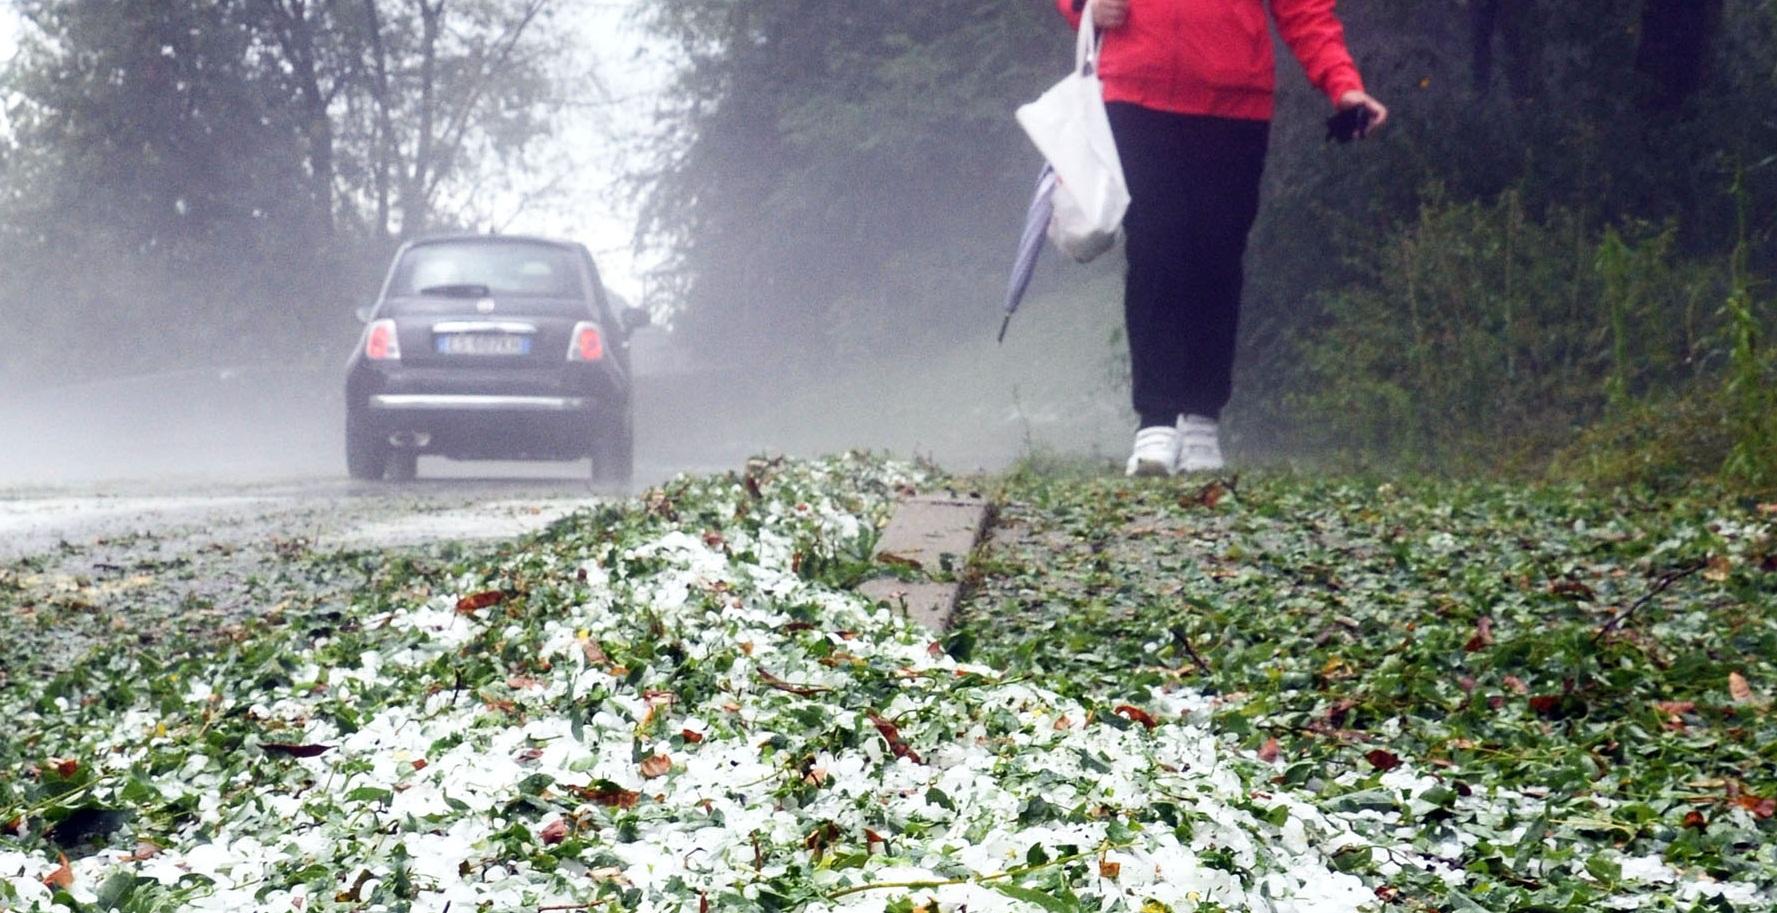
[(461, 237)]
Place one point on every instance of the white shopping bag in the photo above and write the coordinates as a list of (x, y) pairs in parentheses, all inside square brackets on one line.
[(1070, 127)]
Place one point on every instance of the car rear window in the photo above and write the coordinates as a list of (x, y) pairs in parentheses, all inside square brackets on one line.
[(505, 268)]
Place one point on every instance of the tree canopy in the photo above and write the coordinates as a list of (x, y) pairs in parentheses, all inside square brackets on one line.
[(188, 168)]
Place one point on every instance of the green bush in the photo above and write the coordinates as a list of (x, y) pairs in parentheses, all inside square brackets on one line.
[(1492, 340)]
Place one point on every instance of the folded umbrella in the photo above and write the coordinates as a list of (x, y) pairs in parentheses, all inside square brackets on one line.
[(1030, 246)]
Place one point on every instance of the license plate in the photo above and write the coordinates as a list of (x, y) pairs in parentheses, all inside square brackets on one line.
[(482, 344)]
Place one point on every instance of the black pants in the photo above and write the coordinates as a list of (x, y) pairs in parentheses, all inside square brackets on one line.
[(1194, 192)]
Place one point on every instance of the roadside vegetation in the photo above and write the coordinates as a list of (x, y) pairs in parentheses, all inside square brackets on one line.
[(1278, 693), (1554, 263), (1580, 682)]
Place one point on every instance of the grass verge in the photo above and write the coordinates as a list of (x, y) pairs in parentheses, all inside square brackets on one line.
[(1599, 666)]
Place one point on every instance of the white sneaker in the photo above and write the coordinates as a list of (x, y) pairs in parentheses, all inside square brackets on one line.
[(1156, 452), (1199, 447)]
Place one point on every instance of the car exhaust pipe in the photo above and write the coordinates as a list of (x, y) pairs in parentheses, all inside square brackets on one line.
[(410, 440)]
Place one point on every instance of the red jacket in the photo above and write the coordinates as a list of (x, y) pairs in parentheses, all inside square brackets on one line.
[(1214, 56)]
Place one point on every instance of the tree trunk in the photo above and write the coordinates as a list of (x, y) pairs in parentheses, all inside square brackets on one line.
[(1483, 23), (1673, 56), (415, 208), (384, 150), (1514, 23), (295, 31)]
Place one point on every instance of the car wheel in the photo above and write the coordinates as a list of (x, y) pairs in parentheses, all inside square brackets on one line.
[(613, 455), (404, 465), (366, 454)]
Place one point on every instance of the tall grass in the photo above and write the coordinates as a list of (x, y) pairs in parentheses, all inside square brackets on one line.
[(1496, 339), (1752, 404)]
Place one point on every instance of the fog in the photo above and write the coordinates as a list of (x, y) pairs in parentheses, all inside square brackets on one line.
[(818, 205), (175, 358), (979, 406)]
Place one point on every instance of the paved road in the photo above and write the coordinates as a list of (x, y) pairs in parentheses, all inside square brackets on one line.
[(81, 565), (324, 512)]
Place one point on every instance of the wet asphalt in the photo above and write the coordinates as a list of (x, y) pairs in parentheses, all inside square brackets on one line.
[(85, 565)]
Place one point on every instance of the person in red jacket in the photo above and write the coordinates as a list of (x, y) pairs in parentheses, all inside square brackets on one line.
[(1190, 88)]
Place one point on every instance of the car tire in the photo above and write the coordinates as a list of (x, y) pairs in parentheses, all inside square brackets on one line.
[(366, 454), (613, 455), (404, 465)]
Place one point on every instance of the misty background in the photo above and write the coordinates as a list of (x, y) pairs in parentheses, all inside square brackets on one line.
[(1554, 261)]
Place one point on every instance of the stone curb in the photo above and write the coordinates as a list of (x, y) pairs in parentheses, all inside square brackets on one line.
[(933, 535)]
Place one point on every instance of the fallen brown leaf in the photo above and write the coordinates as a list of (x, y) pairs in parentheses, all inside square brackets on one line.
[(1109, 869), (1136, 714), (1483, 637), (1573, 589), (773, 681), (609, 795), (554, 832), (1268, 751), (656, 766), (892, 735), (144, 851), (824, 835), (1739, 689), (1382, 760), (894, 560), (62, 877), (1760, 807), (475, 602), (1207, 496)]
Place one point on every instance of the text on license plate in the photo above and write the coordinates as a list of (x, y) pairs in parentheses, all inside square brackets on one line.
[(482, 344)]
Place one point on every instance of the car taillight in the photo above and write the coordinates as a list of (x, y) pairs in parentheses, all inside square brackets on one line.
[(588, 343), (381, 343)]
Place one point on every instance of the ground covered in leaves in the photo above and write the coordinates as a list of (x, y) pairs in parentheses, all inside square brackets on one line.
[(1561, 699), (671, 704), (1288, 695)]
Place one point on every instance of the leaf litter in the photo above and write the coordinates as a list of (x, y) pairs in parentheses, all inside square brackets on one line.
[(1522, 698), (613, 739)]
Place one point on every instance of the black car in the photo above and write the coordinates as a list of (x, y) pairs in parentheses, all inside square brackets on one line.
[(486, 347)]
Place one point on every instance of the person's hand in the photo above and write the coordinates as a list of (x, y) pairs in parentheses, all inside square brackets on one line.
[(1110, 14), (1357, 98)]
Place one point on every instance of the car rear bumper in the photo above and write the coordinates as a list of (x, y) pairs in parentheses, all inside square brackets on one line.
[(465, 402), (485, 413)]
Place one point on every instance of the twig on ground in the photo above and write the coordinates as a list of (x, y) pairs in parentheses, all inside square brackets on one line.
[(1179, 637), (1660, 586), (772, 681)]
